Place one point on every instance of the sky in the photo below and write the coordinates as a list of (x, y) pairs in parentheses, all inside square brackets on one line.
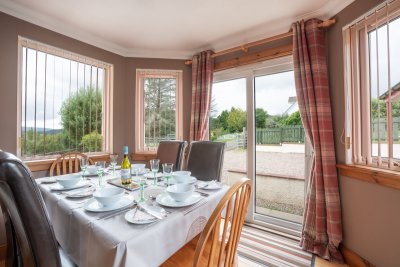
[(63, 78), (272, 93)]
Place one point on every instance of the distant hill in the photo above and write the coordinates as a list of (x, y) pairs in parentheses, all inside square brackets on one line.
[(41, 130)]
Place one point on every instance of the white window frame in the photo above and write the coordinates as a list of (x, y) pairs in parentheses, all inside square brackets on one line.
[(250, 72), (107, 103), (357, 88), (141, 74)]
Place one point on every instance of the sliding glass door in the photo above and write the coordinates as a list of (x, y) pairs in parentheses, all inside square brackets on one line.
[(279, 150), (255, 112), (228, 122)]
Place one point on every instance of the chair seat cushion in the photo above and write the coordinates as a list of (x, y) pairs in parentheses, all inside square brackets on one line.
[(65, 260)]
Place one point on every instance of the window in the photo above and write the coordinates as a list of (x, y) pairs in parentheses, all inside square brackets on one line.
[(64, 102), (158, 107), (372, 49)]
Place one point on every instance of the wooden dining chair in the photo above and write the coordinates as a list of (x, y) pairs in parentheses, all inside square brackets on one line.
[(216, 245), (68, 163)]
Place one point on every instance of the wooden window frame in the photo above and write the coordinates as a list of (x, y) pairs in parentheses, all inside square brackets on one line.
[(107, 104), (141, 74), (357, 90)]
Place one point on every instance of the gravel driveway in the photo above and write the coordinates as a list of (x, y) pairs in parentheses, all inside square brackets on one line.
[(275, 196)]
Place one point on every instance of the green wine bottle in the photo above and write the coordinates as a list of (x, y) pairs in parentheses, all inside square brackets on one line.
[(126, 168)]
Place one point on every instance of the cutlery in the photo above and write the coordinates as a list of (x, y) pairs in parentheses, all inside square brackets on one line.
[(115, 213), (202, 193)]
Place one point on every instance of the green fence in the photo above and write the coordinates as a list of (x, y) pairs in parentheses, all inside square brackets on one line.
[(286, 134)]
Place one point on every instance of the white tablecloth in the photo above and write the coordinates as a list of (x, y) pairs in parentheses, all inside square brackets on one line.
[(115, 242)]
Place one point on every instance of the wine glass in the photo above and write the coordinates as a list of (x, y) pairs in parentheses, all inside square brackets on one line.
[(154, 165), (84, 165), (167, 170), (113, 162), (137, 168), (100, 165), (142, 183)]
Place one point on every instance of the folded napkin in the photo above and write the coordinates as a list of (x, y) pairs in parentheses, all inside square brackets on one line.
[(81, 192), (143, 216)]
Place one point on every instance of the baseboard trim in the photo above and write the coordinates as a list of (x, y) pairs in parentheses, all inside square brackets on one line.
[(353, 259)]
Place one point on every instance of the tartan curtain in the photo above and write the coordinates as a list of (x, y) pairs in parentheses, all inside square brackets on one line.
[(202, 78), (322, 225)]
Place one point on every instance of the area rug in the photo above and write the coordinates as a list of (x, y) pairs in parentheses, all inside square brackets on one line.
[(270, 250)]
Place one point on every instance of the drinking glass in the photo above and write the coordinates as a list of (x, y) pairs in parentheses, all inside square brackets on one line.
[(167, 170), (137, 168), (100, 165), (113, 162), (154, 165), (142, 184), (84, 165)]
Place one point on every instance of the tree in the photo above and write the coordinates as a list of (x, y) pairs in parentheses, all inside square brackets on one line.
[(159, 105), (261, 118), (79, 115), (236, 120), (293, 119)]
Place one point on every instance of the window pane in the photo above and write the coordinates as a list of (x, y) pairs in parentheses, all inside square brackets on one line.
[(160, 110), (379, 91), (63, 106), (280, 149), (228, 124), (394, 42)]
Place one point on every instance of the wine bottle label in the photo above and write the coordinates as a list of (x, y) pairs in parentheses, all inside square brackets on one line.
[(125, 173)]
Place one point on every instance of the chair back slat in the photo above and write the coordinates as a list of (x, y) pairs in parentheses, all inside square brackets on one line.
[(222, 251), (68, 163)]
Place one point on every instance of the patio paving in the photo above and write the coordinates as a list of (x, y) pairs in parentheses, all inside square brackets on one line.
[(279, 197)]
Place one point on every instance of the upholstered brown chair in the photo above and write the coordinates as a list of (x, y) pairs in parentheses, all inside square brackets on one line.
[(30, 236), (205, 160), (171, 152), (68, 163), (217, 244)]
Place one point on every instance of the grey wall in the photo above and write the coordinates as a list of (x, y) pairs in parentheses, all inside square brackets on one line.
[(371, 213), (124, 83), (124, 80)]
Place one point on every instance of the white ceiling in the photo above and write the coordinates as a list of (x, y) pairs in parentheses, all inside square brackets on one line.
[(169, 28)]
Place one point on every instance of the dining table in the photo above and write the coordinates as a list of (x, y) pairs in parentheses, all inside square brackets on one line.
[(105, 239)]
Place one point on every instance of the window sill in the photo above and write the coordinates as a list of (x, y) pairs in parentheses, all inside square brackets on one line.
[(373, 175), (144, 156), (45, 164)]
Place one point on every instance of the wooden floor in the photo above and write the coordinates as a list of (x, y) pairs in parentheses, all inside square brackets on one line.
[(243, 262), (323, 263)]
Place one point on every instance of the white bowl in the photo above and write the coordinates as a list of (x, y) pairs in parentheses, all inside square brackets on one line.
[(91, 169), (108, 196), (181, 176), (180, 192), (69, 181), (139, 167)]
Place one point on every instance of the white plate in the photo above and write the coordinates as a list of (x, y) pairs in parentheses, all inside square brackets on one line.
[(85, 192), (150, 175), (191, 180), (93, 205), (58, 187), (165, 200), (88, 174), (48, 180), (142, 217), (209, 185)]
